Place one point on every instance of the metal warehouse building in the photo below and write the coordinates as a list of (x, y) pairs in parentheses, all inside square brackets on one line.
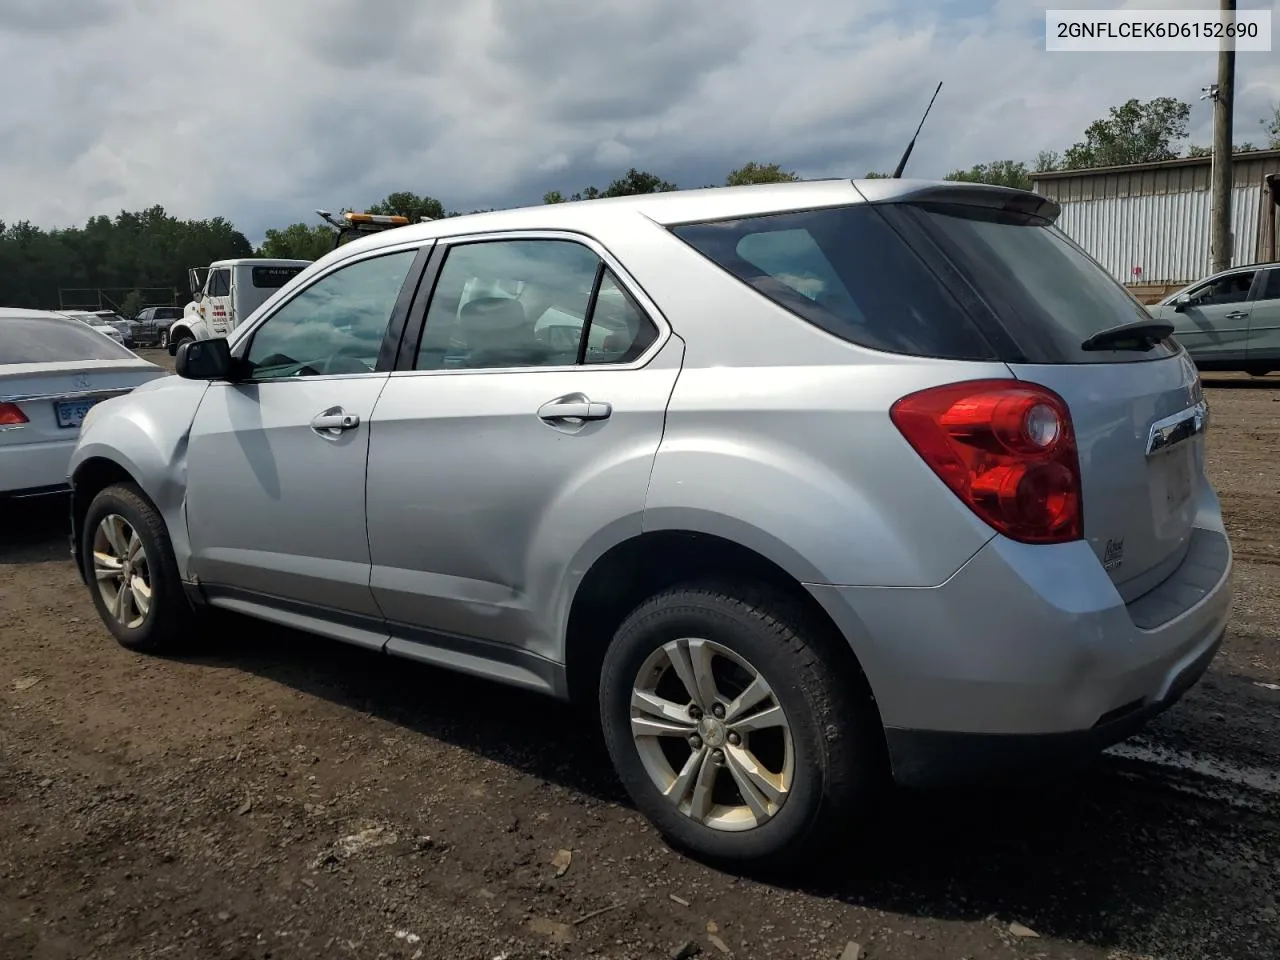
[(1148, 223)]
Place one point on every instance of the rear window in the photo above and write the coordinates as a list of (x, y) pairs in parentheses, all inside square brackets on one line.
[(1046, 292), (849, 272), (41, 340), (273, 278)]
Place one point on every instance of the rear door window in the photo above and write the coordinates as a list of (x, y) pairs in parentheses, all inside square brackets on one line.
[(849, 272), (41, 340)]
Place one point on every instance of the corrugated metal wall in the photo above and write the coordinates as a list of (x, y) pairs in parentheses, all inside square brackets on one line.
[(1166, 235)]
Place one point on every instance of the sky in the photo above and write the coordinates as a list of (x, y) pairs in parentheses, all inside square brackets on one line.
[(260, 111)]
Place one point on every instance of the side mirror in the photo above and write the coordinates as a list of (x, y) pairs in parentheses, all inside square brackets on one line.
[(1182, 302), (204, 359)]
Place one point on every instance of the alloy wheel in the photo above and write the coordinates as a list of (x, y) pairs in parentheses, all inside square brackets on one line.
[(122, 571), (712, 735)]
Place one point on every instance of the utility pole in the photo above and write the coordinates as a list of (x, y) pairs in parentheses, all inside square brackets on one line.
[(1223, 107)]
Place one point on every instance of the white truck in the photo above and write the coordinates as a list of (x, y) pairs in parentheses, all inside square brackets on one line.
[(226, 292)]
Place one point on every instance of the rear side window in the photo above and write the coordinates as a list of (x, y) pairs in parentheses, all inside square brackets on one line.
[(1048, 293), (272, 278), (40, 340), (168, 313), (847, 271)]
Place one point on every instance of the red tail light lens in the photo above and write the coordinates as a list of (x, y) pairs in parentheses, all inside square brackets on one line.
[(11, 415), (1006, 449)]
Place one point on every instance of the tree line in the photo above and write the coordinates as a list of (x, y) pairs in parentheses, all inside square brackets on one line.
[(142, 257)]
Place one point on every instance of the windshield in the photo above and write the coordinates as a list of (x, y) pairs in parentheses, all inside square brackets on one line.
[(1049, 293), (50, 340)]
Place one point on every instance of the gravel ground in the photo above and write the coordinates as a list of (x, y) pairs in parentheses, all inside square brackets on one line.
[(282, 796)]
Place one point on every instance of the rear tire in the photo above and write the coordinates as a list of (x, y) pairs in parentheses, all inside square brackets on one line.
[(164, 339), (143, 605), (811, 748)]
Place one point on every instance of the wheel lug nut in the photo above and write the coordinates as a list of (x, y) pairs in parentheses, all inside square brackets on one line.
[(695, 713), (718, 710), (696, 742), (717, 756), (734, 739)]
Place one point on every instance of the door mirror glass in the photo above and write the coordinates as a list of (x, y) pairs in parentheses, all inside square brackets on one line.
[(204, 360)]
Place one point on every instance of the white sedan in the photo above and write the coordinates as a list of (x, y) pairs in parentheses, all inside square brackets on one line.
[(52, 370), (98, 322)]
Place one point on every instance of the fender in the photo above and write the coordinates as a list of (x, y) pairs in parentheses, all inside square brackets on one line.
[(145, 433)]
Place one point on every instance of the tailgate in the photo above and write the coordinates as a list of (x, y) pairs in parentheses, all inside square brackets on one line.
[(1140, 433)]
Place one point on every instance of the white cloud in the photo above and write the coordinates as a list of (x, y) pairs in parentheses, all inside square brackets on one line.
[(261, 112)]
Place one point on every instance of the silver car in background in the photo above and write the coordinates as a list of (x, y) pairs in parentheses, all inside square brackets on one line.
[(97, 323), (801, 487), (1230, 320), (53, 369)]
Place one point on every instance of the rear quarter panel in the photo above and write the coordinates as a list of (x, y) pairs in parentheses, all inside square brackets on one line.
[(778, 434)]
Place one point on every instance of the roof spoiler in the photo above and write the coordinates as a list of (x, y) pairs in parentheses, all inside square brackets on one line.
[(882, 190)]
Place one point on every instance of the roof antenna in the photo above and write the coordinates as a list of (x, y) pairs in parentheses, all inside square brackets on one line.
[(897, 172)]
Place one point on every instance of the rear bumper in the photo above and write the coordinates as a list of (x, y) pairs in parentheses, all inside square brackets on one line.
[(28, 468), (922, 758), (1030, 650)]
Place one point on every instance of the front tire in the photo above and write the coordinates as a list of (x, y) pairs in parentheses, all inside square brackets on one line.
[(132, 573), (737, 728)]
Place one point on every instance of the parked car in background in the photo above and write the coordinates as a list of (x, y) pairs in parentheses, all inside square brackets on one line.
[(97, 323), (856, 480), (53, 369), (113, 319), (1229, 321), (151, 326)]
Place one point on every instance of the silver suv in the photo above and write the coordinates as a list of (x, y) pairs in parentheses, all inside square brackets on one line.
[(801, 485)]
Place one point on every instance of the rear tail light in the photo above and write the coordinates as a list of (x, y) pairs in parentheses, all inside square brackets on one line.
[(1006, 449), (11, 415)]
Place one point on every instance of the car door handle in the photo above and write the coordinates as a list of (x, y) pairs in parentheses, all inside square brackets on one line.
[(334, 421), (574, 408), (1235, 316)]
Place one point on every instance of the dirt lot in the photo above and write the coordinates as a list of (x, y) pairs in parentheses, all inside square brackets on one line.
[(281, 796)]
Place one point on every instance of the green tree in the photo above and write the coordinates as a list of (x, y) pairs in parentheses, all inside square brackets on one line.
[(1002, 173), (134, 250), (131, 304), (876, 175), (298, 241), (1135, 132), (1047, 160), (406, 204), (753, 172), (553, 196), (635, 182), (1271, 125), (1199, 150)]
